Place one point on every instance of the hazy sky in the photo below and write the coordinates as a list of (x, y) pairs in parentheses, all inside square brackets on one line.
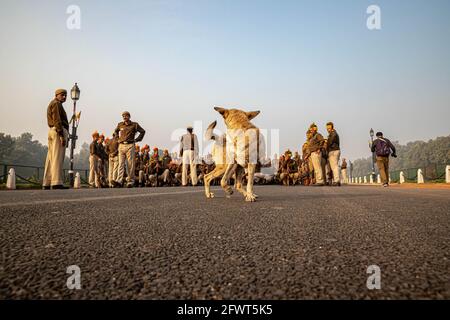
[(170, 62)]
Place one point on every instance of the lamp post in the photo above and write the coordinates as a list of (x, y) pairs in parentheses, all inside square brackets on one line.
[(373, 154), (75, 95)]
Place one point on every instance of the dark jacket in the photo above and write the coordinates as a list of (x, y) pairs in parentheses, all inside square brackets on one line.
[(333, 141)]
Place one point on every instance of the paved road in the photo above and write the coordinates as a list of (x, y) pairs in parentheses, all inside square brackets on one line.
[(294, 243)]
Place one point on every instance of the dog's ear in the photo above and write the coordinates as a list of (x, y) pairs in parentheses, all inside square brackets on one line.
[(252, 114), (222, 111)]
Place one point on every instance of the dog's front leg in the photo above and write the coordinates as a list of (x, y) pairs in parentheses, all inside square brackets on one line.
[(251, 197)]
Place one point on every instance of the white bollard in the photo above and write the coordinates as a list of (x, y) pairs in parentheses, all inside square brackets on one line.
[(379, 179), (77, 182), (447, 174), (371, 179), (359, 180), (390, 179), (11, 182), (365, 179), (402, 177), (420, 178)]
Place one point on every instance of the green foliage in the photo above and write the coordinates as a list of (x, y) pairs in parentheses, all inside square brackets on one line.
[(23, 150), (417, 154)]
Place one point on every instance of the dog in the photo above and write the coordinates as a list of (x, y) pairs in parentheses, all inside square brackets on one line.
[(237, 152)]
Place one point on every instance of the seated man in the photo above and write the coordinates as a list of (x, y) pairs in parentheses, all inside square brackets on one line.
[(289, 170), (142, 165), (166, 159)]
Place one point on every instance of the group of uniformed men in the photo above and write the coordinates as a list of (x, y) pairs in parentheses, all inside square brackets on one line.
[(319, 163), (119, 162)]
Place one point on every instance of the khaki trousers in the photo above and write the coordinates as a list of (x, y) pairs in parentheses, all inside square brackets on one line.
[(189, 160), (333, 160), (53, 172), (344, 176), (127, 153), (113, 169), (316, 159), (94, 171), (383, 167)]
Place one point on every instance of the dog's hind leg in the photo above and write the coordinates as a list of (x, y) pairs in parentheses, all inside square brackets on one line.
[(226, 177), (240, 172)]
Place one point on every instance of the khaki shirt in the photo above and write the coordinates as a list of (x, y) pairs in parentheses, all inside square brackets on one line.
[(57, 117), (128, 132), (315, 143)]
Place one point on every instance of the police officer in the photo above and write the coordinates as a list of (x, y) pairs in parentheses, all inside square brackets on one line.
[(58, 138), (127, 131)]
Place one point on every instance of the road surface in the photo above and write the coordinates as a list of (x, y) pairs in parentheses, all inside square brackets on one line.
[(173, 243)]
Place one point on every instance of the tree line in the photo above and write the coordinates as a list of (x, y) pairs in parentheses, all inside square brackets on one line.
[(23, 150)]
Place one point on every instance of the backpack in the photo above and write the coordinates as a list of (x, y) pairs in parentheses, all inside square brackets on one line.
[(383, 149)]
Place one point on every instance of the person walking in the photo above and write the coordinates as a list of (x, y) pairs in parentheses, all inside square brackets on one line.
[(58, 140), (382, 148), (344, 178)]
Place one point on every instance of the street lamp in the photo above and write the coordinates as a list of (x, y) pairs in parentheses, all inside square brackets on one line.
[(75, 95), (373, 154)]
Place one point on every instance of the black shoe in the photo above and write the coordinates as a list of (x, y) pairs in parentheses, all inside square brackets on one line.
[(59, 187), (318, 185), (45, 187), (130, 185)]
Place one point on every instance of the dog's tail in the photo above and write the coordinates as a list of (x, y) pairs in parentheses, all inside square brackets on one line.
[(209, 134)]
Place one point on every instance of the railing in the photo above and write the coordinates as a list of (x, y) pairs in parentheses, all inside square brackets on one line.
[(34, 174), (431, 173)]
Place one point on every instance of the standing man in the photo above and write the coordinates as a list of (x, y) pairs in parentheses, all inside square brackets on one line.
[(382, 148), (315, 145), (58, 140), (112, 149), (334, 153), (94, 162), (189, 152), (127, 131), (344, 171)]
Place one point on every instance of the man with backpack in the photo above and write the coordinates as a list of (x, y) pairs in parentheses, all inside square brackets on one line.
[(382, 148)]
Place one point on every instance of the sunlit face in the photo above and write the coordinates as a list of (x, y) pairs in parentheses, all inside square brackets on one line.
[(61, 97), (126, 117), (313, 130), (329, 128)]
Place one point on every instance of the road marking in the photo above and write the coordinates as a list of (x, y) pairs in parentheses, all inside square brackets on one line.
[(84, 199)]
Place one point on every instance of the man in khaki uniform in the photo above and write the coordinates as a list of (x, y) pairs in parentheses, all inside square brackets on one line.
[(127, 131), (58, 139), (189, 153), (315, 145), (94, 162), (112, 149)]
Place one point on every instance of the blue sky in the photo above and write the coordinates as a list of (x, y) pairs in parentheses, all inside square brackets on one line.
[(170, 62)]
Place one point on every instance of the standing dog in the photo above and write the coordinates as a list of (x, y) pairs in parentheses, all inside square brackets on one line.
[(241, 149)]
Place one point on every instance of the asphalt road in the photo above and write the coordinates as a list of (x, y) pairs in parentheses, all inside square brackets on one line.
[(173, 243)]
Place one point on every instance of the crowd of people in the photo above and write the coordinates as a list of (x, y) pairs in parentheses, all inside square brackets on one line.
[(118, 161), (318, 165)]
